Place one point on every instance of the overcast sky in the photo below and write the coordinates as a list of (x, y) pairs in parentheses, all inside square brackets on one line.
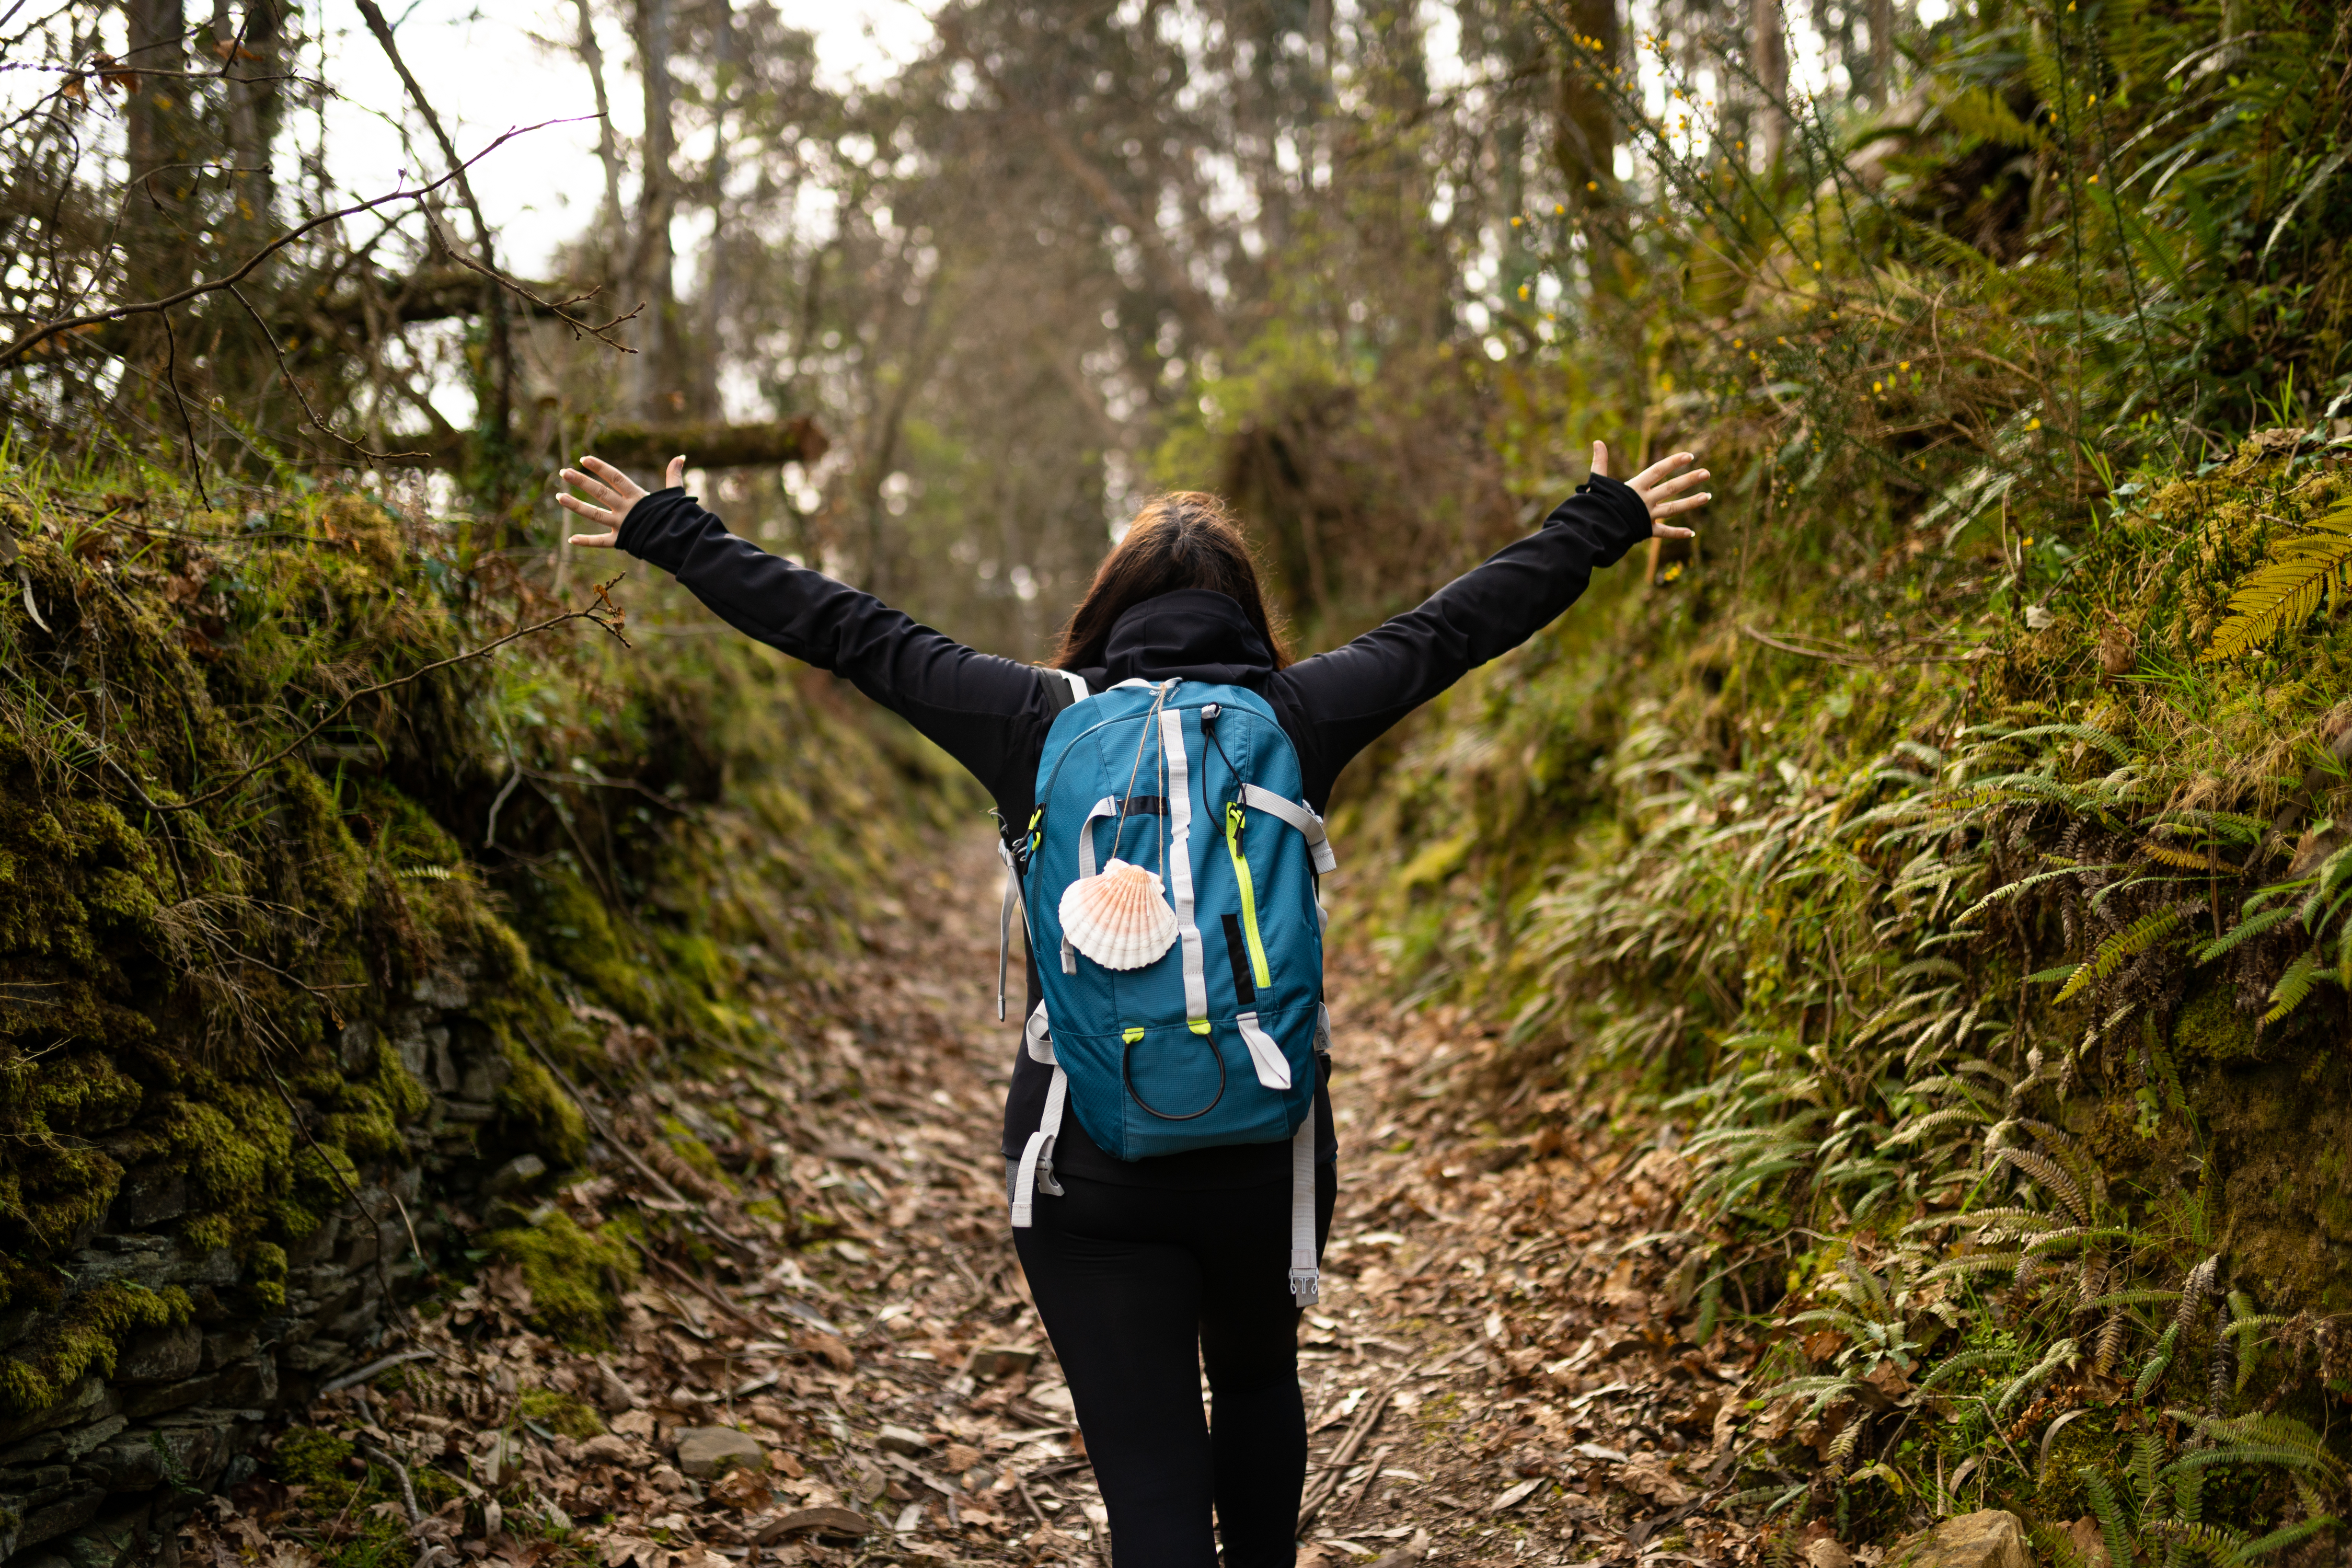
[(480, 63)]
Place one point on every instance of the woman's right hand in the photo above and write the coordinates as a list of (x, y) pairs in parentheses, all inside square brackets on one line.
[(612, 496), (1657, 485)]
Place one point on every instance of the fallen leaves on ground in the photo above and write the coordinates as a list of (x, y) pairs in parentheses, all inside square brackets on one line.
[(828, 1354)]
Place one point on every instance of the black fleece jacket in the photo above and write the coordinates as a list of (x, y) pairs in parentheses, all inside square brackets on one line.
[(992, 713)]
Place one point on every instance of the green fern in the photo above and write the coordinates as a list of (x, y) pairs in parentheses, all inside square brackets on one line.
[(2063, 1354), (2161, 1359), (2300, 978), (2129, 942), (2279, 597), (2252, 926), (2113, 1531)]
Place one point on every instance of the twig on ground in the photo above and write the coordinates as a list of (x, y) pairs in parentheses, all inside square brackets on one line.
[(382, 1363), (1335, 1470), (399, 1473)]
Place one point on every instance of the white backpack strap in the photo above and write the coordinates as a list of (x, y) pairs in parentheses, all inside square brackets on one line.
[(1107, 806), (1036, 1036), (1034, 1175), (1004, 924), (1273, 1067), (1306, 1278), (1078, 692), (1179, 866), (1298, 817)]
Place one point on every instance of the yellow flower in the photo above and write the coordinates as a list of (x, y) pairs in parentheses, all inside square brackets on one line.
[(1904, 366), (1592, 184), (1877, 386), (1739, 343), (1523, 290), (2034, 425), (1558, 208), (1514, 221)]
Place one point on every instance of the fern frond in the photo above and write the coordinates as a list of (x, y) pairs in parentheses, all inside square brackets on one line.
[(2151, 1372), (2112, 1335), (2252, 926), (1842, 1447), (2108, 1512), (2052, 1176), (1967, 1361), (2279, 597), (2129, 942), (1975, 1263), (2065, 1353), (2272, 1430), (2279, 1539), (2297, 983), (2193, 1291), (2184, 860)]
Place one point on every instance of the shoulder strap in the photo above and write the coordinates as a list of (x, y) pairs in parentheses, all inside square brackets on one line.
[(1062, 688)]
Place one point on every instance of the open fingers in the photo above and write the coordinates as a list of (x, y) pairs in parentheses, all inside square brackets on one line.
[(1668, 530), (1659, 471), (612, 476), (598, 540), (1600, 459), (676, 476), (595, 491), (1668, 489), (1676, 508)]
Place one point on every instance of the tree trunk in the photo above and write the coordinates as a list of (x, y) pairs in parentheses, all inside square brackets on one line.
[(1584, 132), (159, 146), (660, 395), (1882, 51), (1768, 55), (714, 277), (608, 145)]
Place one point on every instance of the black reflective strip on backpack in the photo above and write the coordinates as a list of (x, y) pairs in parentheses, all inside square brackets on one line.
[(1238, 955)]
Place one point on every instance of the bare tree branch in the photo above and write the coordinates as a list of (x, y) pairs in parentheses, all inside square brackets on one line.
[(47, 330)]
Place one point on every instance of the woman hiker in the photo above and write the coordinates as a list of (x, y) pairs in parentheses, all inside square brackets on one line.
[(1144, 1270)]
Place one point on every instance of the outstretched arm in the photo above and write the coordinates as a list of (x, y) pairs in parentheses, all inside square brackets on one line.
[(1346, 699), (976, 706)]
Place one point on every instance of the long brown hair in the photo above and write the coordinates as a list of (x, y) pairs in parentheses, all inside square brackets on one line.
[(1186, 540)]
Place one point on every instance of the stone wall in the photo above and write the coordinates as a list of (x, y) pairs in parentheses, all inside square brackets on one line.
[(103, 1477)]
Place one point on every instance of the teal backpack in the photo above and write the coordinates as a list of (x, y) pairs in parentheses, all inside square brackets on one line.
[(1168, 878)]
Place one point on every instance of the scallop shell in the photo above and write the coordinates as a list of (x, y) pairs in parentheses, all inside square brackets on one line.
[(1118, 918)]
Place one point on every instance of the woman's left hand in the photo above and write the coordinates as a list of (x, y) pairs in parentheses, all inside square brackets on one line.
[(1660, 486), (612, 496)]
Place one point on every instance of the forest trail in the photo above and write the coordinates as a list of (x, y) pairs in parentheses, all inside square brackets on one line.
[(1487, 1379)]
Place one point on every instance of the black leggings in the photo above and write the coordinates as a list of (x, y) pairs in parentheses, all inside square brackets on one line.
[(1138, 1287)]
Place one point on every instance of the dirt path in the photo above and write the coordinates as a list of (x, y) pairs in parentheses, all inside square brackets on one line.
[(1487, 1379)]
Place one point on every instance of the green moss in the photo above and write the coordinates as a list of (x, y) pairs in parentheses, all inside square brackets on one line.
[(86, 1335), (569, 1272), (306, 1456), (560, 1413), (536, 1104), (2212, 1031)]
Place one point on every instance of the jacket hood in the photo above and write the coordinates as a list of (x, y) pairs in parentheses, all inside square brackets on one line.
[(1194, 634)]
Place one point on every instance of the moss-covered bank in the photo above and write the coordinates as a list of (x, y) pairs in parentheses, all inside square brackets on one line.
[(239, 989)]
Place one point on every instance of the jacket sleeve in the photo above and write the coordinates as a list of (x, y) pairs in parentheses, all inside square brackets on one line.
[(1345, 699), (977, 707)]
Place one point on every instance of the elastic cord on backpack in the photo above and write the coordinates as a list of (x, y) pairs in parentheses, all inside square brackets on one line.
[(1127, 1049)]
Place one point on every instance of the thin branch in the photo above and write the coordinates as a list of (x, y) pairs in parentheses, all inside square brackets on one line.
[(171, 379), (552, 307), (43, 334), (602, 614), (303, 397)]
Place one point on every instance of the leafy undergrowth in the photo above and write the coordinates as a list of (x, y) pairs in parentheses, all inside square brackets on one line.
[(1990, 974), (258, 793)]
